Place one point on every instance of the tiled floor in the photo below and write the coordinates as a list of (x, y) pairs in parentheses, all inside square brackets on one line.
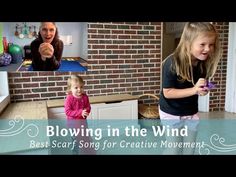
[(217, 115)]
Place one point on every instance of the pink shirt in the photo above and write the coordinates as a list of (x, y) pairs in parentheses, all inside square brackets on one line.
[(74, 106)]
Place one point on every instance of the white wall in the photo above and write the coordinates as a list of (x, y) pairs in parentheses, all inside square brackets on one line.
[(4, 91), (9, 29), (84, 39), (4, 88), (230, 99), (77, 31)]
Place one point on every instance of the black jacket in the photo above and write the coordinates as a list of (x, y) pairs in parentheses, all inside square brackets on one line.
[(51, 64)]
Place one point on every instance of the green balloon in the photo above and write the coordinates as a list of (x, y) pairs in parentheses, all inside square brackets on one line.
[(14, 49)]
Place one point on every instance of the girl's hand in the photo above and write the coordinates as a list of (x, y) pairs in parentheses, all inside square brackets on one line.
[(85, 114), (204, 92), (200, 87), (46, 50)]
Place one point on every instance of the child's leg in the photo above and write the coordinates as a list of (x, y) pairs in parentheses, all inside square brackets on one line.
[(87, 145), (75, 148), (172, 142), (172, 145), (192, 123), (191, 141)]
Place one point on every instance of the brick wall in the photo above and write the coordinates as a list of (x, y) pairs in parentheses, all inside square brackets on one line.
[(122, 58), (125, 57), (32, 86), (217, 96)]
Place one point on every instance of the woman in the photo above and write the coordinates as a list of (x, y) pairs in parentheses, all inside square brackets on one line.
[(47, 49)]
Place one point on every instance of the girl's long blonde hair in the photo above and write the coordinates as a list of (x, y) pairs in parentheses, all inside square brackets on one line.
[(182, 56), (76, 79)]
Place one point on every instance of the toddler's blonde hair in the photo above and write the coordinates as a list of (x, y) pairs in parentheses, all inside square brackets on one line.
[(76, 79)]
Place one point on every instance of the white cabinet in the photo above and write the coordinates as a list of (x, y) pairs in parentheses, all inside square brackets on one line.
[(124, 110), (118, 111), (121, 107), (56, 113), (115, 114)]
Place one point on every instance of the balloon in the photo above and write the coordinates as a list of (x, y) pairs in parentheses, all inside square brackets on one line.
[(13, 49), (16, 53)]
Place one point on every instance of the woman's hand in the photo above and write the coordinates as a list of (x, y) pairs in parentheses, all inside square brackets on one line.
[(46, 50)]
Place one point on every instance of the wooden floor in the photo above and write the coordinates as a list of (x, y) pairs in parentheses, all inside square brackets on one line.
[(220, 114)]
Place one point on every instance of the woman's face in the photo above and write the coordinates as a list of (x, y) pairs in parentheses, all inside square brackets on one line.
[(48, 31), (77, 89), (203, 46)]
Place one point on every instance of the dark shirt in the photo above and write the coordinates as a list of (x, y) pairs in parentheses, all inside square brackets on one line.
[(181, 106), (50, 64)]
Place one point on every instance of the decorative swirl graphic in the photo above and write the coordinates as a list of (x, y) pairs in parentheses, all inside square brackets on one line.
[(17, 126), (216, 144)]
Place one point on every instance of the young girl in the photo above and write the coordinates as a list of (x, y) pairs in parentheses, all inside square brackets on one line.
[(77, 104), (77, 109), (184, 78)]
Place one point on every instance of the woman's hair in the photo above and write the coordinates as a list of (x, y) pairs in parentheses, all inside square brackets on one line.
[(56, 37), (182, 56), (76, 79)]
